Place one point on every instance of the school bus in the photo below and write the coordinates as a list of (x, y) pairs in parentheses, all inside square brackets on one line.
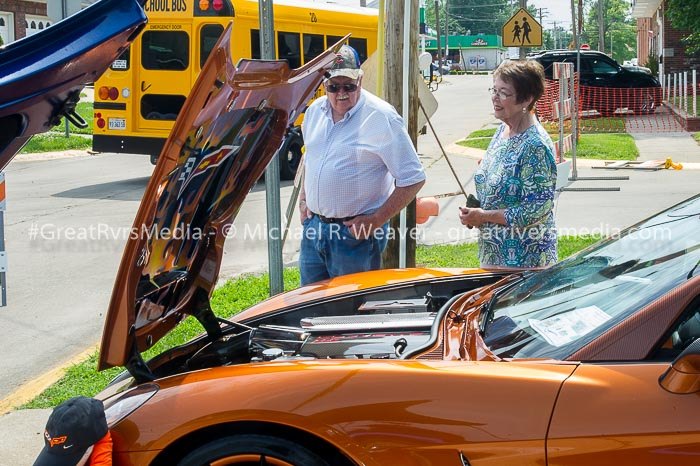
[(138, 98)]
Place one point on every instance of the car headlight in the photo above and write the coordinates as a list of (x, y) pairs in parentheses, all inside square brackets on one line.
[(122, 405)]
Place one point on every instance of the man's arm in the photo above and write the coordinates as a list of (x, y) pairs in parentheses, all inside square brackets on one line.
[(362, 226)]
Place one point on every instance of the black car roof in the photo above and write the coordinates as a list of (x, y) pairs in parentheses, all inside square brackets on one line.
[(557, 53)]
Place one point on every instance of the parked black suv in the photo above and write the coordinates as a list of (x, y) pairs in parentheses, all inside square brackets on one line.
[(605, 85)]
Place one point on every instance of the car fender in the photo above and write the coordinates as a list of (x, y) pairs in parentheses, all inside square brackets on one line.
[(442, 407)]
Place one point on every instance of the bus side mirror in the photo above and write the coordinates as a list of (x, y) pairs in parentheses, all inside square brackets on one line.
[(683, 377)]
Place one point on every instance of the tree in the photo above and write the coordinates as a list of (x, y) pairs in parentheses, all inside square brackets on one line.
[(474, 16), (619, 28), (685, 15)]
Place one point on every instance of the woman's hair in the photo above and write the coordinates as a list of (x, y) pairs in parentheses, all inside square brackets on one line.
[(526, 76)]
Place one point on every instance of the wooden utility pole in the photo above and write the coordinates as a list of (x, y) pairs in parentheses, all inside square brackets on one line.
[(601, 27), (393, 86), (437, 31)]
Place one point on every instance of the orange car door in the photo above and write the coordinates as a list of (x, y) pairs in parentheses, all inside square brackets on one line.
[(613, 414)]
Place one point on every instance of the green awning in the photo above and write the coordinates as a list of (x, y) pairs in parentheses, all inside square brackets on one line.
[(479, 41)]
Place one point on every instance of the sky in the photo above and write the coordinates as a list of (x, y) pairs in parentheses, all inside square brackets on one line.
[(553, 10)]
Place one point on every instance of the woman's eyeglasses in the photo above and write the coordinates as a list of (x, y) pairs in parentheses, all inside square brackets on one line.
[(500, 94), (333, 88)]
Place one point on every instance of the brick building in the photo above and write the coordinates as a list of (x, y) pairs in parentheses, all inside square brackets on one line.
[(656, 35), (21, 18)]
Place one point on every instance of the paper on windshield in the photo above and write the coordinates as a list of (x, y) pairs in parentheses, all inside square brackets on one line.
[(564, 328)]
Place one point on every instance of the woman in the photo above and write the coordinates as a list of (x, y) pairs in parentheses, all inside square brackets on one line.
[(516, 179)]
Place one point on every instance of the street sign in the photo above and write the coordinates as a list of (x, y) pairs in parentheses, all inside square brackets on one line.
[(522, 30)]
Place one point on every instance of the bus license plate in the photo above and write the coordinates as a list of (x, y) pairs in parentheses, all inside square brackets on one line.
[(117, 123)]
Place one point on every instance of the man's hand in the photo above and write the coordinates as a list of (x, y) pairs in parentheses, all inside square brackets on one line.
[(304, 211), (363, 226)]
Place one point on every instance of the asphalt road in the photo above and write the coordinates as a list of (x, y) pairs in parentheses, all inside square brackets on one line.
[(67, 220)]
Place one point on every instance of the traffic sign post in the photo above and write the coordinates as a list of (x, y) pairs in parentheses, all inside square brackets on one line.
[(522, 30), (3, 256)]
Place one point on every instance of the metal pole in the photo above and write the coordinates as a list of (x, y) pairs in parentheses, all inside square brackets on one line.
[(405, 114), (574, 95), (3, 254), (523, 50), (695, 93), (272, 172), (64, 13)]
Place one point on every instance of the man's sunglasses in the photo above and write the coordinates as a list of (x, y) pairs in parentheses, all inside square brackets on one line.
[(333, 88)]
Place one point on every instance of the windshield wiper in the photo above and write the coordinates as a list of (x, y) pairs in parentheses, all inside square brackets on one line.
[(487, 310)]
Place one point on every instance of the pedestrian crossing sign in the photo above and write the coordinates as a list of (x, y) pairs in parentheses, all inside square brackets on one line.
[(522, 30)]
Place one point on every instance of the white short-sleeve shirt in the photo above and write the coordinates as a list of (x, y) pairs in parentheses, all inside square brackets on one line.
[(351, 165)]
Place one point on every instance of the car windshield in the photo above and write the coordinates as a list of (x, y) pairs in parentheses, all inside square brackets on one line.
[(553, 313)]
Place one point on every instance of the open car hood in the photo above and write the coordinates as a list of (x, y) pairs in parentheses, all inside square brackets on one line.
[(41, 76), (230, 127)]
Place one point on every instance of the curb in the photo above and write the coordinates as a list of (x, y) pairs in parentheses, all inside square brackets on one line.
[(33, 388), (38, 156)]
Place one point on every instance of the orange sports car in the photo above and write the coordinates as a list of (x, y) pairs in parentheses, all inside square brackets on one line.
[(594, 361)]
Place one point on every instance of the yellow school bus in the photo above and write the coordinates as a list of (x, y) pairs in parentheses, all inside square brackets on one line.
[(138, 98)]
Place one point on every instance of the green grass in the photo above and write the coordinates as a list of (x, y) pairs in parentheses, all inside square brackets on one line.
[(466, 254), (696, 136), (241, 293), (52, 142), (615, 146), (607, 147), (84, 110), (589, 125), (476, 143)]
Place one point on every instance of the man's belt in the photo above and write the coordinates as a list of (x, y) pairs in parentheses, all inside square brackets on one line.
[(334, 220)]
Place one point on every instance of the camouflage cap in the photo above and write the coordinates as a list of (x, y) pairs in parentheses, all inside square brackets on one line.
[(347, 63)]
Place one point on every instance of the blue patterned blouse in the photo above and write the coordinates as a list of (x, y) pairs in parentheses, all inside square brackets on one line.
[(518, 174)]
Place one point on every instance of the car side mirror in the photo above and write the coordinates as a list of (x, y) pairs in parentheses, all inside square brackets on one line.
[(683, 377)]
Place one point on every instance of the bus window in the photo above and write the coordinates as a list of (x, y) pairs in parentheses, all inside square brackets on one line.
[(165, 50), (161, 106), (255, 44), (122, 62), (289, 48), (361, 46), (330, 40), (313, 46), (208, 36)]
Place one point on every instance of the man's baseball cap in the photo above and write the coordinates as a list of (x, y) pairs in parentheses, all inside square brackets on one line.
[(73, 427), (347, 63)]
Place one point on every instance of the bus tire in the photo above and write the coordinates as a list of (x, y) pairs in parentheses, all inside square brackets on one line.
[(290, 157), (154, 159)]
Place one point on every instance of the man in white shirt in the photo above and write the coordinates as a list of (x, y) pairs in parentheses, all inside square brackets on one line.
[(361, 169)]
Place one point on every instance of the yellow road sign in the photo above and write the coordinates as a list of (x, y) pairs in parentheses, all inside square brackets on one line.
[(522, 30)]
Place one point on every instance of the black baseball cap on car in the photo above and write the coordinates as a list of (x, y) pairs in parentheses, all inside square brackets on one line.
[(73, 427)]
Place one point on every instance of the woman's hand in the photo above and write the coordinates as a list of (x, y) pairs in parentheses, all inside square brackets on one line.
[(472, 217)]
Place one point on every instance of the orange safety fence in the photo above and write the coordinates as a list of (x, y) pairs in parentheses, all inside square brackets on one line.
[(604, 109)]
